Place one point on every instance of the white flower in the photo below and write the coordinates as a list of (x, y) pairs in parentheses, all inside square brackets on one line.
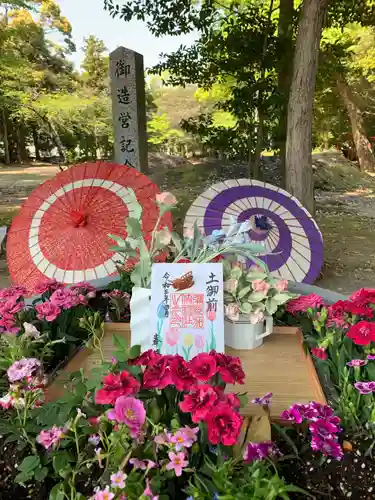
[(31, 330), (19, 402), (6, 401), (232, 311), (256, 317), (80, 414), (230, 285)]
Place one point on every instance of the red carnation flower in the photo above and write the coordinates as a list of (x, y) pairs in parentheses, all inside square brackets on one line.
[(147, 358), (183, 261), (230, 399), (303, 303), (181, 375), (223, 425), (230, 368), (362, 333), (115, 386), (203, 366), (364, 312), (199, 402), (319, 352), (363, 297), (158, 375)]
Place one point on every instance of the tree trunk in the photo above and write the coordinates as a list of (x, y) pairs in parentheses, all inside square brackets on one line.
[(249, 154), (299, 175), (285, 37), (5, 137), (259, 145), (36, 144), (21, 143), (365, 155), (52, 132)]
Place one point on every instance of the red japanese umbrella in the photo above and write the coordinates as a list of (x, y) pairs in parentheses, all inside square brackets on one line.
[(62, 229)]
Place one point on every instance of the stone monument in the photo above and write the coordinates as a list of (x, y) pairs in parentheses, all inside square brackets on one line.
[(129, 108)]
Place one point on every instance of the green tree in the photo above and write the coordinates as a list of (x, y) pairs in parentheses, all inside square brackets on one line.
[(161, 135), (95, 64), (30, 65)]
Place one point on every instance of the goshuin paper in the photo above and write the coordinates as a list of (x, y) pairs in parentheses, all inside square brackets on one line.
[(189, 320)]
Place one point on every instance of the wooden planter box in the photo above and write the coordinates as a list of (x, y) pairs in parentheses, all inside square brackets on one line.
[(279, 366)]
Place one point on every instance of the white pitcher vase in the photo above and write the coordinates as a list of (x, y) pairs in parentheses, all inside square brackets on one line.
[(140, 317), (243, 335)]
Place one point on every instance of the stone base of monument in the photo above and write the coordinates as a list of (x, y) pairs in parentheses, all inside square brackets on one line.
[(280, 366)]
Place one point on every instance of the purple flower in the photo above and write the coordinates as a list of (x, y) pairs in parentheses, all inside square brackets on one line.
[(142, 464), (295, 414), (23, 368), (259, 451), (357, 363), (329, 447), (51, 437), (365, 387), (371, 357), (103, 494), (118, 480), (323, 428), (181, 439), (129, 411), (264, 400), (319, 410), (94, 439), (299, 412)]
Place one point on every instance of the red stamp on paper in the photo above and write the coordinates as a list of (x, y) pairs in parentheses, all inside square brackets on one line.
[(187, 310)]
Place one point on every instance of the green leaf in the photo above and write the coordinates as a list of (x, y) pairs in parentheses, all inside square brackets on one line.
[(23, 477), (133, 227), (41, 474), (120, 343), (29, 464), (197, 239), (254, 275), (371, 370), (236, 273), (136, 276), (144, 264), (283, 433), (11, 439), (128, 252), (80, 389), (135, 351), (243, 399), (251, 248), (244, 291), (246, 308), (227, 268), (57, 492), (60, 463), (271, 306), (281, 298), (256, 297), (117, 239), (177, 241)]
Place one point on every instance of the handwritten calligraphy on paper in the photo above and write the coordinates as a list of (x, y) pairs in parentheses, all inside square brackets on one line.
[(212, 289), (190, 320)]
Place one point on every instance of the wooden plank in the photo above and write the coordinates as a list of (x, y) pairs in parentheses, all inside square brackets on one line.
[(279, 366)]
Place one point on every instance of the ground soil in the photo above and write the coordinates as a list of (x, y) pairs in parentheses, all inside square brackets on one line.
[(10, 458), (329, 479), (345, 205)]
